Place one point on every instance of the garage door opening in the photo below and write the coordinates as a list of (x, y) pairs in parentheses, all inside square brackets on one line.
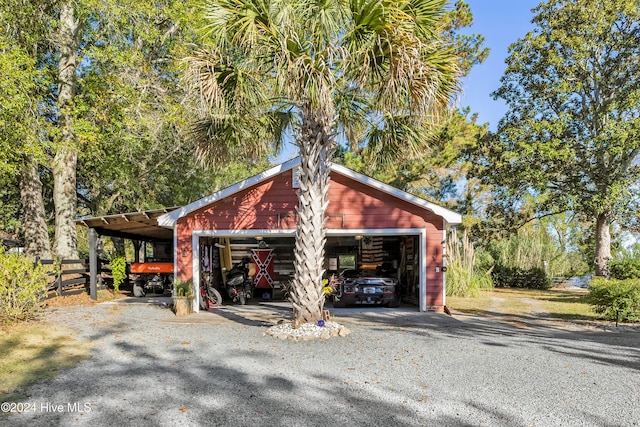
[(272, 261), (377, 256)]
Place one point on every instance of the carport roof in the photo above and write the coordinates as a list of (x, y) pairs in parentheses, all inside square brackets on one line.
[(141, 225)]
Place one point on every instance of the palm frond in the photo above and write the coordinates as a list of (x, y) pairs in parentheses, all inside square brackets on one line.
[(396, 137), (237, 23)]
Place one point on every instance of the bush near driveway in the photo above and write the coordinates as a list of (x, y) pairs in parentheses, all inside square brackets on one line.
[(23, 286), (625, 268), (613, 298), (514, 277)]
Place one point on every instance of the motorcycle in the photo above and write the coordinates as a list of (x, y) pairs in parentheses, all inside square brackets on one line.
[(209, 296), (238, 282)]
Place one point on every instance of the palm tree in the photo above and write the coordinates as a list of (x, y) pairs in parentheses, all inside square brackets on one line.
[(372, 72)]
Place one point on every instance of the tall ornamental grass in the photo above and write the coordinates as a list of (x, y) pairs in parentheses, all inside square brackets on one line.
[(464, 279), (531, 258)]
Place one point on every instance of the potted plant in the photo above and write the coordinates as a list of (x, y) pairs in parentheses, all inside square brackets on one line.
[(182, 297)]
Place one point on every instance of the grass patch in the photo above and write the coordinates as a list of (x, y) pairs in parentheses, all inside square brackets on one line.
[(34, 351), (556, 303), (479, 305), (567, 304)]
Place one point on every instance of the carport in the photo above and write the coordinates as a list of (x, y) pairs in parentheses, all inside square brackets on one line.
[(139, 227), (257, 217)]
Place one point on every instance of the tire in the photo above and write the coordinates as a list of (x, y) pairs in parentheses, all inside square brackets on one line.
[(339, 303), (395, 303), (138, 291), (215, 299), (243, 300), (202, 301)]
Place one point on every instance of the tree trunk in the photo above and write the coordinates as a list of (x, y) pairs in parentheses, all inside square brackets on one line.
[(36, 237), (316, 148), (118, 245), (66, 157), (603, 244)]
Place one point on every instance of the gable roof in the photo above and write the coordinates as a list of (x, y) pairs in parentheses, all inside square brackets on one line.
[(170, 219)]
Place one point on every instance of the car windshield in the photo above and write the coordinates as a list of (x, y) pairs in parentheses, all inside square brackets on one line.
[(352, 274)]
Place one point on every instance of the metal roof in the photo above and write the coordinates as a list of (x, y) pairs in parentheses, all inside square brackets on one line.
[(141, 225)]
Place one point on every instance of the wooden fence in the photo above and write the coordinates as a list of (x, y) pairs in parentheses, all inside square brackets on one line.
[(73, 273)]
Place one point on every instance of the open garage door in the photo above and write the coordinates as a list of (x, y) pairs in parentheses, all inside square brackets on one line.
[(377, 256), (270, 263), (379, 253)]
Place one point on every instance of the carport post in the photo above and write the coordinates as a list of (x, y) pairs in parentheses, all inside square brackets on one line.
[(93, 263), (136, 250)]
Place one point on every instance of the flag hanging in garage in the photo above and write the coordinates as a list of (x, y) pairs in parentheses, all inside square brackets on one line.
[(372, 249), (263, 258)]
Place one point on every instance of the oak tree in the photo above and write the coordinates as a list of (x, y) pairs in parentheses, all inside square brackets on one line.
[(571, 135)]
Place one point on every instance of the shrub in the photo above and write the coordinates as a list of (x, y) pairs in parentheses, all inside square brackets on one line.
[(23, 286), (610, 297), (183, 288), (118, 271), (625, 268), (514, 277)]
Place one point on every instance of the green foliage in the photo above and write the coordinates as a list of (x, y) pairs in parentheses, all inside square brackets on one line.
[(613, 298), (118, 264), (625, 268), (571, 133), (439, 172), (130, 113), (9, 204), (468, 46), (23, 286), (183, 288), (135, 156), (343, 60), (535, 248), (20, 81), (515, 277), (464, 277)]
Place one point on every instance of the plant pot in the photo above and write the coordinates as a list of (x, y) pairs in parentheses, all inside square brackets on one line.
[(182, 305)]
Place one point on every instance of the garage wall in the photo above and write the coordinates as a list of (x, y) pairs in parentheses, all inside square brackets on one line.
[(353, 205), (267, 206), (363, 207)]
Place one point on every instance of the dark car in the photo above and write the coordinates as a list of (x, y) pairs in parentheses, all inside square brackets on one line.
[(366, 287)]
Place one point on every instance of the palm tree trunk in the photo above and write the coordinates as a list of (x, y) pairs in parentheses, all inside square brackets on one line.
[(36, 237), (316, 149), (66, 157), (603, 244)]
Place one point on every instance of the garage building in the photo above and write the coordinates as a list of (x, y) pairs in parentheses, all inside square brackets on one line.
[(370, 224)]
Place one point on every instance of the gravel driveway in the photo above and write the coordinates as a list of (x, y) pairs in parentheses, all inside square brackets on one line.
[(397, 368)]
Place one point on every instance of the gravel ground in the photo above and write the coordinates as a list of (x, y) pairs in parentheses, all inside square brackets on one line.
[(396, 368)]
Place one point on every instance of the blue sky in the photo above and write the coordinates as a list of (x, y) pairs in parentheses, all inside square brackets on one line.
[(501, 22)]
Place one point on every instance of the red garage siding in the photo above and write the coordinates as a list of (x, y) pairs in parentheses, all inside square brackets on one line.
[(354, 205)]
